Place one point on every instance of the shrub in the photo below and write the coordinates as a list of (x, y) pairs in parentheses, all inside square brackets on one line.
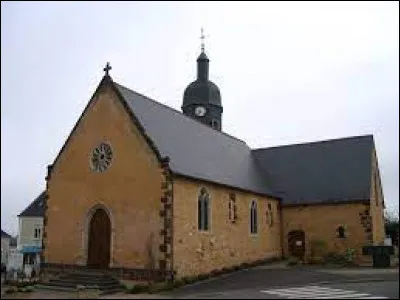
[(29, 289), (349, 255)]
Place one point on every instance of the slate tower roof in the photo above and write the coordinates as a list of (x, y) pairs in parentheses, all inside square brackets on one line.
[(202, 98)]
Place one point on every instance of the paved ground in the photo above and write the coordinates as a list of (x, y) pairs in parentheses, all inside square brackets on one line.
[(272, 281), (374, 290)]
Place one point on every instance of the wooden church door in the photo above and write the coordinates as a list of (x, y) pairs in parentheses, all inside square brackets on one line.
[(99, 240), (296, 242)]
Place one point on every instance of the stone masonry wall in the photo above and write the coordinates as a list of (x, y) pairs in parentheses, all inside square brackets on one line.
[(226, 243), (130, 190)]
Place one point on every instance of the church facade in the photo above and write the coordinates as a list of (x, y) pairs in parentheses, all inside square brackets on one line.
[(146, 190)]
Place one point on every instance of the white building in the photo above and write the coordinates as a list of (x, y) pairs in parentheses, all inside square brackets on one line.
[(30, 223)]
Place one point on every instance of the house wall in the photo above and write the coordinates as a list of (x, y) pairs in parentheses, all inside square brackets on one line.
[(129, 190), (320, 222), (225, 244), (5, 249), (26, 235)]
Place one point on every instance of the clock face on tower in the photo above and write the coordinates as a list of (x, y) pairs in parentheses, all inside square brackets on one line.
[(200, 111)]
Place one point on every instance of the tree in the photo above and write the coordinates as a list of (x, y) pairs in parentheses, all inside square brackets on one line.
[(392, 225)]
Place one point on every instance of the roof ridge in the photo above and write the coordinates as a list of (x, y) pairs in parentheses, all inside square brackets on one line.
[(178, 112), (315, 142)]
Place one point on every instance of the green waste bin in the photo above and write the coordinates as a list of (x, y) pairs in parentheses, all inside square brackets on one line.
[(380, 255)]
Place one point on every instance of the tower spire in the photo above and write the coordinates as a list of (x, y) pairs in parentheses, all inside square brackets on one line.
[(202, 39)]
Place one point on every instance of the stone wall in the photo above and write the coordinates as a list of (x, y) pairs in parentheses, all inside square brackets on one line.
[(228, 242), (129, 190), (321, 222)]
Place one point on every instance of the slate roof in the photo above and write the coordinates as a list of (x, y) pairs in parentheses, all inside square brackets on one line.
[(327, 171), (36, 208), (5, 234), (196, 150)]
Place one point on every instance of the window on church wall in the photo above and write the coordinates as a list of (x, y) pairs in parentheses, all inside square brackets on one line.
[(203, 210), (269, 215), (253, 218), (232, 211), (341, 231)]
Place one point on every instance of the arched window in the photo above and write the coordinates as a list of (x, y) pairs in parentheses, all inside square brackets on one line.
[(253, 217), (203, 209), (232, 208)]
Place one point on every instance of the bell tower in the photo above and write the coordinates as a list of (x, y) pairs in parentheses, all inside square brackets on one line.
[(202, 98)]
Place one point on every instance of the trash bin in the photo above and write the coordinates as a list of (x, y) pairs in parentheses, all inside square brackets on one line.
[(380, 255)]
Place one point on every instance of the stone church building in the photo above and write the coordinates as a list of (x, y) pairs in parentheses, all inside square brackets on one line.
[(141, 188)]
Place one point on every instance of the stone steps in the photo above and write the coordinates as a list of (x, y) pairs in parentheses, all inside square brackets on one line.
[(70, 281)]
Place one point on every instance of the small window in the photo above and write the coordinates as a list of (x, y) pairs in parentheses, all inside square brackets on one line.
[(253, 217), (37, 233), (215, 124), (341, 232), (269, 215), (232, 208), (203, 210)]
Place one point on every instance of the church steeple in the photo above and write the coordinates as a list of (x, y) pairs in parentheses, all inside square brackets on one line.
[(202, 61), (202, 99)]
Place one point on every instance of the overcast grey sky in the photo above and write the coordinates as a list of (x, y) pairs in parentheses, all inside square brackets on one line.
[(288, 73)]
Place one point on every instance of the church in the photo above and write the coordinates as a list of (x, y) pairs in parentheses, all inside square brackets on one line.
[(142, 189)]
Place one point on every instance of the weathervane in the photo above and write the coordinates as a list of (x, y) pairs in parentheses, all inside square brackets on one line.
[(202, 39), (107, 68)]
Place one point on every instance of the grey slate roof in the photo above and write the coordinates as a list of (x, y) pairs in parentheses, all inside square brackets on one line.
[(326, 171), (36, 208), (5, 234), (196, 150)]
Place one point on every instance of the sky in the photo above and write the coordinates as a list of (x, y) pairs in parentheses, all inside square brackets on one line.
[(288, 72)]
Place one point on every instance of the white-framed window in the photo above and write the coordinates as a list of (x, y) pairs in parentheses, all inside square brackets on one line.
[(37, 233)]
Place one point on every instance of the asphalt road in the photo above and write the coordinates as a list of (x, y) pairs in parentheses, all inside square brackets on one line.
[(371, 290), (293, 283)]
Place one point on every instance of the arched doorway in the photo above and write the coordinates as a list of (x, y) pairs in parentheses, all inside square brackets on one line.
[(99, 240), (296, 242)]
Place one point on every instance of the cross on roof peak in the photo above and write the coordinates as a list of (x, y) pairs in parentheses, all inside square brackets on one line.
[(202, 39), (107, 68)]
